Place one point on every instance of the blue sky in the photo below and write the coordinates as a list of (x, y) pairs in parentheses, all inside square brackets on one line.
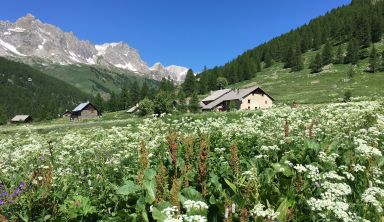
[(190, 33)]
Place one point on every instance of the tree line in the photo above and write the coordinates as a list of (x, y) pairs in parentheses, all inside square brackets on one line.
[(164, 98)]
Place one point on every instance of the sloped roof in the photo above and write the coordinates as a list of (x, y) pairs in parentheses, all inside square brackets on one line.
[(234, 95), (216, 94), (20, 118), (132, 109), (80, 107)]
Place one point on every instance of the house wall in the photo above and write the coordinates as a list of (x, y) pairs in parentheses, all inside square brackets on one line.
[(257, 100), (88, 112)]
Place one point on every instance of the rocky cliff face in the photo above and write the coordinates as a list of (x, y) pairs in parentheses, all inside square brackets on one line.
[(28, 38)]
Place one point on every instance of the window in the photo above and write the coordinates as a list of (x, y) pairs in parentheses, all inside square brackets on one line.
[(249, 101), (249, 107), (266, 102)]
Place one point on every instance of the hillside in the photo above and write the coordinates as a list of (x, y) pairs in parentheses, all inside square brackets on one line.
[(93, 79), (342, 40), (328, 85), (25, 90)]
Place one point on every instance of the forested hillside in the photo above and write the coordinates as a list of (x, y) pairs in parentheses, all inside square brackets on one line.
[(343, 36), (24, 90)]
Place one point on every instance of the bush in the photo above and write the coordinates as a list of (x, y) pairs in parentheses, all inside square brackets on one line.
[(145, 107), (162, 103), (347, 96)]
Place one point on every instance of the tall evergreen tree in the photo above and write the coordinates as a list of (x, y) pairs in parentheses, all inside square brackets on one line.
[(339, 55), (352, 52), (144, 90), (382, 61), (125, 98), (99, 102), (316, 43), (194, 103), (289, 58), (297, 62), (189, 84), (327, 54), (258, 65), (376, 29), (113, 103), (3, 116), (267, 59), (316, 64), (373, 60), (363, 31), (134, 93)]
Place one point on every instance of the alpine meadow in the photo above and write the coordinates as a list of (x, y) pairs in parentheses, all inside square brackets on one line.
[(289, 131)]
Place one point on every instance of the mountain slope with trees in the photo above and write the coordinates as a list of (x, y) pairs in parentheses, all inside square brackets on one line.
[(24, 90), (349, 36)]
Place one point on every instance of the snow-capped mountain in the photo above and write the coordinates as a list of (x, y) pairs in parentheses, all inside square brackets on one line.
[(176, 73), (29, 38)]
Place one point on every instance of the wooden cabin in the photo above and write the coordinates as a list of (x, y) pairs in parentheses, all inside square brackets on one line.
[(85, 110), (21, 119)]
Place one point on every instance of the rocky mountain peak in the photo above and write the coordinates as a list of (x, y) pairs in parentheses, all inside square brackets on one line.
[(29, 38)]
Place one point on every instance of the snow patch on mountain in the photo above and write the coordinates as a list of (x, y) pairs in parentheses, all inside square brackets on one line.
[(28, 37), (10, 48)]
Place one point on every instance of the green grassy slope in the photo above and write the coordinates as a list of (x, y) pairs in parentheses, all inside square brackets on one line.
[(43, 97), (91, 79), (327, 86)]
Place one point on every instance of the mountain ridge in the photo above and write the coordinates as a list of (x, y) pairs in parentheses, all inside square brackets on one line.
[(28, 37)]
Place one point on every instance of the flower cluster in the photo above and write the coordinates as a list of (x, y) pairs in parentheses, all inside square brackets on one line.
[(260, 211), (194, 205)]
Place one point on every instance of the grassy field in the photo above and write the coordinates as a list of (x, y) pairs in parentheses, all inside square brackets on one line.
[(327, 86), (317, 162)]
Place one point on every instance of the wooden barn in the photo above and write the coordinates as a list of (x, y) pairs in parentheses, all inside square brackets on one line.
[(67, 114), (85, 110), (21, 119)]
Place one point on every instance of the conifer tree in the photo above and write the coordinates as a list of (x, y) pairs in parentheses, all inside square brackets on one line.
[(3, 116), (134, 93), (258, 65), (373, 60), (144, 90), (125, 98), (382, 61), (99, 102), (189, 83), (194, 103), (352, 52), (376, 29), (363, 31), (113, 103), (289, 58), (316, 39), (339, 55), (327, 54), (267, 59), (297, 63), (316, 65)]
